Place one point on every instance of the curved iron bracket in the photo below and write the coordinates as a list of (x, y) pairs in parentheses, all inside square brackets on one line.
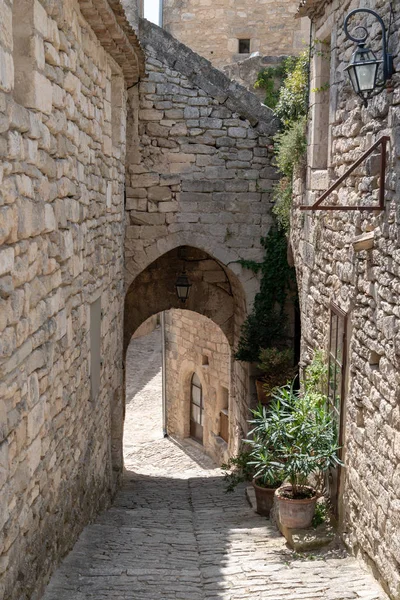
[(386, 57)]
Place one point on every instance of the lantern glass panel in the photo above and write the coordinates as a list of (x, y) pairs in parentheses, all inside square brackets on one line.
[(353, 78), (182, 287), (366, 75), (182, 291)]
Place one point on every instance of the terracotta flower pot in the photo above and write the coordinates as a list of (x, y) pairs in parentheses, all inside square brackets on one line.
[(293, 513), (264, 498)]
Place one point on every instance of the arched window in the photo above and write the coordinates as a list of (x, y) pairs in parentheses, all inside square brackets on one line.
[(196, 409)]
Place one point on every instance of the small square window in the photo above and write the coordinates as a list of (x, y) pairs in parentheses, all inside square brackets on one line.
[(244, 46)]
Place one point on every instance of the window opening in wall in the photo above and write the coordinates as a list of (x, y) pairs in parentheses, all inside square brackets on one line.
[(205, 360), (244, 46), (336, 388), (320, 87), (152, 11), (224, 415), (196, 409), (95, 347)]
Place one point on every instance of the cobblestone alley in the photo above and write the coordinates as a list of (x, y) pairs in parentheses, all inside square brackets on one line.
[(173, 534)]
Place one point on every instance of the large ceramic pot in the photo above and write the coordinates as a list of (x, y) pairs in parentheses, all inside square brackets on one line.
[(295, 514), (264, 498)]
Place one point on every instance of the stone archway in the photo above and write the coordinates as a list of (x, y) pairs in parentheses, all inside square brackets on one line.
[(216, 293)]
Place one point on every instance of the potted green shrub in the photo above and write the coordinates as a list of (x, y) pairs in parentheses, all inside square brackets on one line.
[(244, 467), (301, 437), (268, 474)]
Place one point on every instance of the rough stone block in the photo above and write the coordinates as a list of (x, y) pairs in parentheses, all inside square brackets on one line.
[(35, 420), (191, 112), (34, 453), (6, 71), (4, 470), (34, 90), (6, 260), (146, 180), (151, 115), (166, 207), (40, 19), (160, 194), (237, 132), (137, 204)]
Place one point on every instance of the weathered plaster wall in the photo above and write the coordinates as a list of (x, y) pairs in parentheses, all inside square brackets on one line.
[(61, 236), (365, 284), (213, 28), (191, 341)]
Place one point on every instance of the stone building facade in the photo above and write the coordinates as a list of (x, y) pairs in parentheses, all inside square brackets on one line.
[(348, 269), (225, 32), (63, 112), (197, 348)]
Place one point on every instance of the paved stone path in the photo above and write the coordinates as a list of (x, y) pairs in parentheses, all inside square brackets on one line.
[(173, 534)]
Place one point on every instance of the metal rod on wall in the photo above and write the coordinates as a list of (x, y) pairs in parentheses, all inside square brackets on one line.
[(164, 377)]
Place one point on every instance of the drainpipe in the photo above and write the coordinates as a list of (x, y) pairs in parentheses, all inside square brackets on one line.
[(160, 15), (164, 377)]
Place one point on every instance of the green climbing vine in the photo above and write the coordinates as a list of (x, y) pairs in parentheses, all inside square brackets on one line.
[(289, 102), (265, 326), (270, 80), (290, 142)]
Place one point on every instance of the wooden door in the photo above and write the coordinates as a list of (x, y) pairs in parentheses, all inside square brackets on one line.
[(196, 409)]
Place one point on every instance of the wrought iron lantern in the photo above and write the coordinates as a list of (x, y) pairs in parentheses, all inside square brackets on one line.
[(368, 74), (182, 286)]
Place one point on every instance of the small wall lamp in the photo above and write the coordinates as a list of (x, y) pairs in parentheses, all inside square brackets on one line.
[(364, 65), (182, 286)]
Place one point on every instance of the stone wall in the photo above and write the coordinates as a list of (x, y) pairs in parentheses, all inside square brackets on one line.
[(201, 170), (246, 71), (362, 276), (62, 147), (147, 327), (215, 293), (194, 344), (213, 29), (199, 179)]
